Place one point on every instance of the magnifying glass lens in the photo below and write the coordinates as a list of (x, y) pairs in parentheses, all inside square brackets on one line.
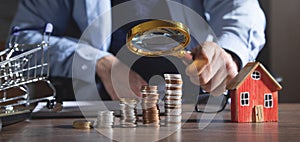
[(158, 40)]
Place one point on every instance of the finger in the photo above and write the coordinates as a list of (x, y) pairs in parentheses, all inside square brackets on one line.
[(208, 50), (108, 86), (203, 55), (136, 91), (216, 81), (187, 58), (195, 80), (219, 90), (208, 71), (217, 85), (136, 83), (232, 72), (232, 69), (205, 76), (196, 67)]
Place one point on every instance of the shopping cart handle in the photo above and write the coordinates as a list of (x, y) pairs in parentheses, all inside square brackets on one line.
[(15, 31), (48, 28)]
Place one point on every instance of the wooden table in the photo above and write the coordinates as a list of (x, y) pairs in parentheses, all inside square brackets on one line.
[(220, 129)]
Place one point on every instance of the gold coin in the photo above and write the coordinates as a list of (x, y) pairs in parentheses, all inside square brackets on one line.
[(83, 124)]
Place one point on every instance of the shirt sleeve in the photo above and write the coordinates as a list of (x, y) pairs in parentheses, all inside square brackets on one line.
[(35, 13), (239, 26)]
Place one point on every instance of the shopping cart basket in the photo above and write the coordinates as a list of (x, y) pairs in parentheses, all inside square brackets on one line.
[(21, 65)]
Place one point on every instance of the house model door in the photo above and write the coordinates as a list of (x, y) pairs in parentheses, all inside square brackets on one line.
[(259, 113)]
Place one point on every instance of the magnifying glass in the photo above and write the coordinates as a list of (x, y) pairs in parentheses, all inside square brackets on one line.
[(159, 38)]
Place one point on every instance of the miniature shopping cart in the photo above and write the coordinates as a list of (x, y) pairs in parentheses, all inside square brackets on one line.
[(21, 65)]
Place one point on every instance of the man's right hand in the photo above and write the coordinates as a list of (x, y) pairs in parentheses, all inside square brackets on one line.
[(118, 79), (212, 68)]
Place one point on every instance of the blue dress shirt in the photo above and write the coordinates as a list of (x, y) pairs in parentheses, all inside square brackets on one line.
[(238, 24)]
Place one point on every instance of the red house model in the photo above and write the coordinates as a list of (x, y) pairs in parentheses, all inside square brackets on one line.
[(254, 95)]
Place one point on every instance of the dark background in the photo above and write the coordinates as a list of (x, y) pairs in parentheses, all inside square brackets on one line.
[(280, 54)]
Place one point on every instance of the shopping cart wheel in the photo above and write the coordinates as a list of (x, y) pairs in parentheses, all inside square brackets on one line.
[(50, 104)]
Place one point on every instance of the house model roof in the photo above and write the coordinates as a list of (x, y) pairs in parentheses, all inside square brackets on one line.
[(238, 80)]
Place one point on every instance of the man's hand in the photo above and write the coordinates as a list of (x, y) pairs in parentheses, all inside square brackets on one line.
[(118, 79), (212, 68)]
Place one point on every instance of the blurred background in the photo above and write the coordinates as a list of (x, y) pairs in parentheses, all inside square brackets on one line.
[(280, 55)]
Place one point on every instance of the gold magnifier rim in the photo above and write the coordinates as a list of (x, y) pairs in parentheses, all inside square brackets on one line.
[(158, 24)]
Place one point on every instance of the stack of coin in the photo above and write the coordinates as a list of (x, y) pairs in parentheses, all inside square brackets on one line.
[(105, 119), (173, 101), (128, 112), (150, 106)]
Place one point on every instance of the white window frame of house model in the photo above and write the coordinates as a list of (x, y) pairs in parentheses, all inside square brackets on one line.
[(243, 99), (256, 75), (268, 102)]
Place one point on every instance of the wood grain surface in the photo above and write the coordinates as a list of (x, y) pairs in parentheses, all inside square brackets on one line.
[(220, 129)]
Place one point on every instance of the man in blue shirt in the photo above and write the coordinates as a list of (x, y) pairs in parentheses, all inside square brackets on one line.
[(238, 24)]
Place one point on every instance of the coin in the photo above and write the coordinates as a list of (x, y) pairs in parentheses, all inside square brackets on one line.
[(173, 111), (172, 99), (173, 88), (172, 76), (128, 112), (152, 124), (173, 119), (105, 119), (83, 124), (149, 105), (148, 87), (175, 81), (173, 92)]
